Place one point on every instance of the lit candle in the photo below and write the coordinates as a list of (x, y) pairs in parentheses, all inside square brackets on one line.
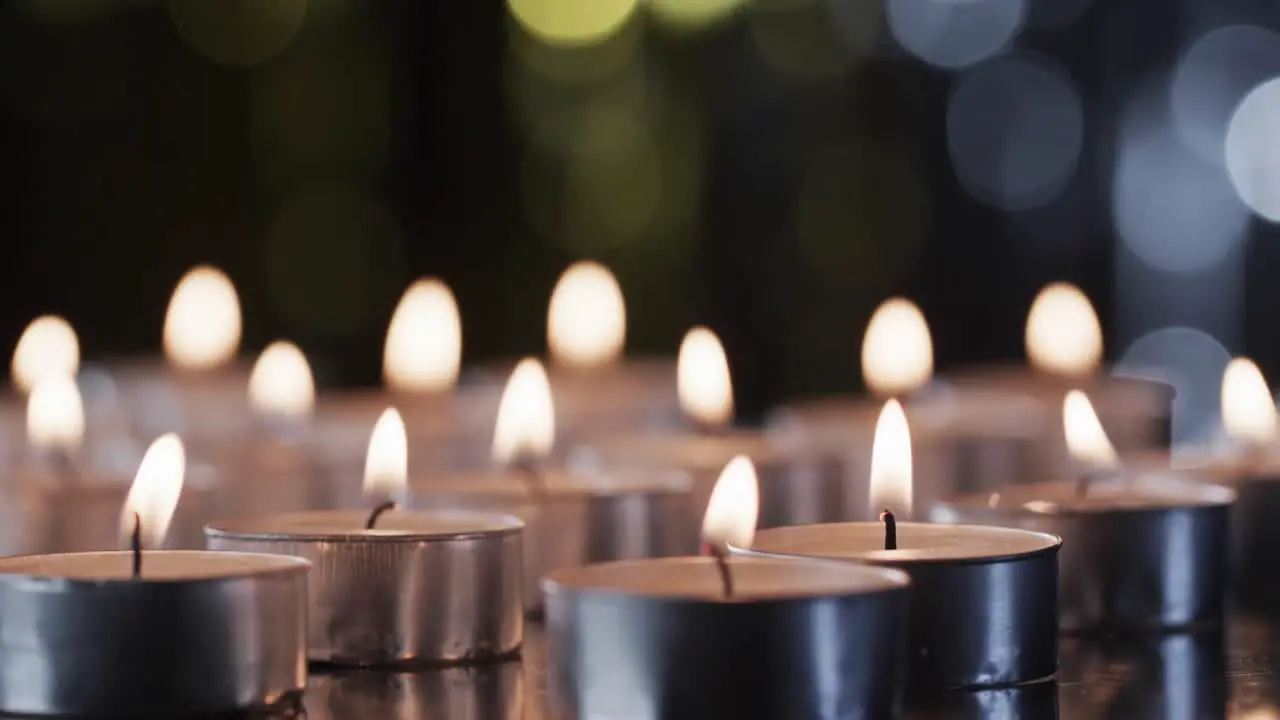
[(596, 389), (390, 586), (796, 484), (200, 389), (958, 573), (965, 438), (1143, 550), (726, 636), (573, 517), (150, 633), (421, 359), (65, 501)]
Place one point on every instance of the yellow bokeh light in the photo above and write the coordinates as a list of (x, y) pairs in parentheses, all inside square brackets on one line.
[(693, 14), (572, 22)]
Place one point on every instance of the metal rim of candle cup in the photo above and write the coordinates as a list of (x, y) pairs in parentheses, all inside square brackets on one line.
[(611, 650), (392, 599), (950, 603), (109, 625), (1117, 574)]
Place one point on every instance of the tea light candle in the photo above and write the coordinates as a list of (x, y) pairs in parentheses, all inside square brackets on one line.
[(572, 518), (199, 389), (725, 636), (1142, 552), (965, 438), (141, 633), (61, 500), (392, 587), (958, 573), (798, 484)]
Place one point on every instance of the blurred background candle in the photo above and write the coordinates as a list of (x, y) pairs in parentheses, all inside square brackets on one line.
[(798, 483), (199, 389), (48, 347)]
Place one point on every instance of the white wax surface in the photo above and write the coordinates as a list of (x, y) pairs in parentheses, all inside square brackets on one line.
[(698, 452), (754, 579), (1117, 394), (515, 484), (917, 542), (1224, 465), (349, 525), (1144, 492), (157, 565)]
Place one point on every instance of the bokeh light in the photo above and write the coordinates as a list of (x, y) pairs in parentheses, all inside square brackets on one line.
[(242, 33), (571, 22), (952, 34), (797, 39), (1015, 128), (1212, 77), (1174, 211), (1252, 150), (1193, 361), (693, 15)]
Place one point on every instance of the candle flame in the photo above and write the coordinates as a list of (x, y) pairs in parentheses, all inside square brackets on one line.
[(1063, 335), (155, 491), (897, 351), (891, 477), (48, 347), (702, 378), (734, 506), (1248, 411), (202, 324), (1086, 440), (281, 384), (55, 415), (587, 318), (386, 467), (526, 425), (423, 351)]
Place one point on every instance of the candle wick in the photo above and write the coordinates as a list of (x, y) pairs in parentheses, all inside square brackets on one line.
[(1082, 485), (533, 479), (721, 556), (135, 545), (63, 467), (377, 513), (890, 530)]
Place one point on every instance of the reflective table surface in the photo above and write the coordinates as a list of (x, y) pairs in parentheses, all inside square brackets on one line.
[(1214, 674)]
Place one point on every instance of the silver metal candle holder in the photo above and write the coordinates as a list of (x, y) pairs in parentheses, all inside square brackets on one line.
[(977, 620), (628, 639), (483, 692), (1128, 565), (410, 592), (80, 637)]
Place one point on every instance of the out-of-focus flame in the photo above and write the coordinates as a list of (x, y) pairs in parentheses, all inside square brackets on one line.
[(155, 491), (202, 324), (1086, 440), (386, 467), (526, 425), (1248, 411), (897, 352), (891, 481), (702, 378), (281, 384), (55, 415), (1063, 335), (47, 348), (734, 506), (423, 352), (587, 318)]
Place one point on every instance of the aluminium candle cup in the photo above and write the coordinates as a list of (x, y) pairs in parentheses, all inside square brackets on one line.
[(983, 602), (478, 692), (1145, 553), (422, 588), (576, 519), (199, 634), (1038, 700), (657, 639), (202, 406), (961, 442), (797, 483)]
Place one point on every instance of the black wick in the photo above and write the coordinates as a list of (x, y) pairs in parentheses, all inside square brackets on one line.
[(135, 545), (890, 530), (533, 479), (721, 556), (377, 513)]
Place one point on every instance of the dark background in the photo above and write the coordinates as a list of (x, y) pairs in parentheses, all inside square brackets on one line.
[(774, 174)]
